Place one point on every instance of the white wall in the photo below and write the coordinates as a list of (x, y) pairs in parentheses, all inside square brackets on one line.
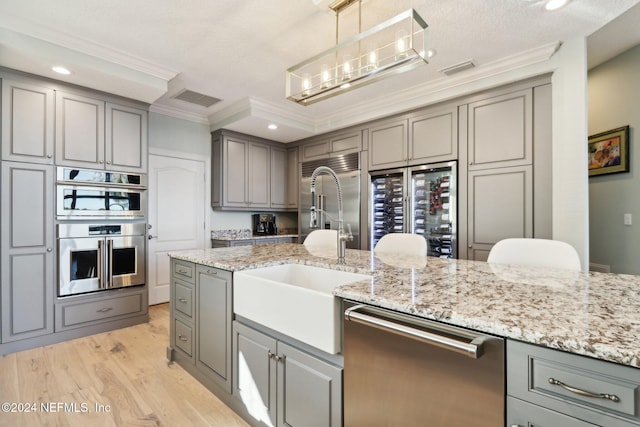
[(613, 102)]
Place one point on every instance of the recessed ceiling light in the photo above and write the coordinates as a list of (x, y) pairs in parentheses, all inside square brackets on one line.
[(555, 4), (273, 126), (61, 70)]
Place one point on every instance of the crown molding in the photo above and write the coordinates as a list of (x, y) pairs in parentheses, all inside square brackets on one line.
[(179, 113), (50, 35)]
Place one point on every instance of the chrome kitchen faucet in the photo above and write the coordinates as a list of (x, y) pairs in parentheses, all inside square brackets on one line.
[(313, 224)]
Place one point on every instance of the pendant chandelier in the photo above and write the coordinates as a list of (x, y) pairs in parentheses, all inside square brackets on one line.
[(391, 47)]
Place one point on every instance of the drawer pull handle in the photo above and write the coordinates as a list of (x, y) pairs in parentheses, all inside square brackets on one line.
[(182, 300), (212, 272), (182, 338), (104, 310), (182, 271), (582, 392)]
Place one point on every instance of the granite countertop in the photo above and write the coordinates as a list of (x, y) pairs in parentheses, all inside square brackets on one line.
[(253, 237), (593, 314)]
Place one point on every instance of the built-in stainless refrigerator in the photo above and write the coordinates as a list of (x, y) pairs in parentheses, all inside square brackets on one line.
[(347, 168), (420, 200)]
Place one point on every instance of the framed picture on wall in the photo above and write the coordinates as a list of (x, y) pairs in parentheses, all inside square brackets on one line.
[(609, 152)]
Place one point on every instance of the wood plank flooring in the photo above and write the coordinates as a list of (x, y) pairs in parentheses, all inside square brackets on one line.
[(117, 378)]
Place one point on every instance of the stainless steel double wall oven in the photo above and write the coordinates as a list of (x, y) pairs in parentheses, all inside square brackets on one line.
[(101, 229)]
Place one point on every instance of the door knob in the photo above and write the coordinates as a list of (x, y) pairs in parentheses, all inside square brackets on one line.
[(152, 237)]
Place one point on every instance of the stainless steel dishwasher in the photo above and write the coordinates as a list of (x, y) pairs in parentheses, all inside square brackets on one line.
[(400, 370)]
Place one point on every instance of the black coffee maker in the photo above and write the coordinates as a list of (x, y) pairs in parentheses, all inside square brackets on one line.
[(264, 224)]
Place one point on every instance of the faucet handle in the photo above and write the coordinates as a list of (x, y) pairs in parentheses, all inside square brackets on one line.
[(349, 234)]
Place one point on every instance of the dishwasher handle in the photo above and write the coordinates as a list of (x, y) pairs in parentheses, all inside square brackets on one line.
[(472, 349)]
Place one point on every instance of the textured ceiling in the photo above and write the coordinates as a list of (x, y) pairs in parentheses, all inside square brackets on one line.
[(238, 50)]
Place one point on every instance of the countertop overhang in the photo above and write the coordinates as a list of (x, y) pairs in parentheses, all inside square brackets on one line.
[(592, 314)]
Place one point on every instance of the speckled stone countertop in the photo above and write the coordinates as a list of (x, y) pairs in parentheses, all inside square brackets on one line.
[(592, 314)]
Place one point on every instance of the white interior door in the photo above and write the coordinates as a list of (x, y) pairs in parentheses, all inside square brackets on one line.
[(176, 216)]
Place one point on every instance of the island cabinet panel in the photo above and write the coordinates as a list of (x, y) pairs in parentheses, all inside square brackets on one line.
[(289, 386), (182, 325), (521, 413), (27, 262), (590, 390), (213, 326), (27, 122)]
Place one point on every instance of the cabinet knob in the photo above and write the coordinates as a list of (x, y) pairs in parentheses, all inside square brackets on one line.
[(49, 249), (100, 161), (49, 156), (470, 246), (108, 162)]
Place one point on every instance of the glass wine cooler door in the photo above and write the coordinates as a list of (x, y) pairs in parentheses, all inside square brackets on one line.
[(434, 208), (388, 205)]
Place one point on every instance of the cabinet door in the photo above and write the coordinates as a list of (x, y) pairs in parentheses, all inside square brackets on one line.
[(433, 137), (259, 190), (315, 150), (254, 370), (499, 206), (213, 327), (500, 131), (293, 179), (279, 161), (27, 122), (388, 145), (126, 138), (79, 131), (348, 143), (27, 251), (309, 390), (235, 173)]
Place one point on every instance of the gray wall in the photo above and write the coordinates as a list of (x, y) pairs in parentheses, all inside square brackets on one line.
[(613, 102), (175, 134)]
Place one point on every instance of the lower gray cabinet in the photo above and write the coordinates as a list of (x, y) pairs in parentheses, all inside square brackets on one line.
[(281, 385), (27, 261), (213, 324), (548, 387)]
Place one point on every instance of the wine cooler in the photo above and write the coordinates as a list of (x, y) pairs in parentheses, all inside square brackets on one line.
[(420, 200)]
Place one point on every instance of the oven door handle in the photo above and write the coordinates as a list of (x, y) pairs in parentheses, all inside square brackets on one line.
[(110, 263), (472, 349), (100, 265)]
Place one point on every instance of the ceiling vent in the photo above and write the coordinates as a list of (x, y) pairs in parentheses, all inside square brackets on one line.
[(196, 98), (456, 68)]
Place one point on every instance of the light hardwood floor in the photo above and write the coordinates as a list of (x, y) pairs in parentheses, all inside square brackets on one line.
[(126, 369)]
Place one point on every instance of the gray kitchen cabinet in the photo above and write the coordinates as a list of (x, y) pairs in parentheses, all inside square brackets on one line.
[(388, 144), (552, 387), (429, 136), (500, 130), (27, 122), (287, 385), (500, 205), (213, 324), (99, 308), (242, 172), (279, 181), (293, 179), (433, 135), (332, 145), (183, 309), (92, 133), (28, 256)]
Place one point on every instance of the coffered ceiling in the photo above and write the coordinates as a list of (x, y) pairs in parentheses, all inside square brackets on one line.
[(238, 50)]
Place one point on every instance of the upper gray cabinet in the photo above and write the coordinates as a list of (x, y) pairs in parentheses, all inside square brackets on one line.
[(27, 122), (428, 137), (500, 131), (337, 144), (92, 133), (249, 173), (293, 178)]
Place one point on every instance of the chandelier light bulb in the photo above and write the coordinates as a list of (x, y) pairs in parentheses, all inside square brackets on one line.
[(372, 57), (325, 76), (306, 84), (401, 44), (346, 67)]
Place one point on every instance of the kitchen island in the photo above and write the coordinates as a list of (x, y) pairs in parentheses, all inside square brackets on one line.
[(592, 314), (588, 314)]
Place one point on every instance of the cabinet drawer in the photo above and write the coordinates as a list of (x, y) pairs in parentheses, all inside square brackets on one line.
[(267, 241), (184, 337), (85, 312), (184, 270), (555, 379), (520, 413), (247, 242), (184, 298)]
